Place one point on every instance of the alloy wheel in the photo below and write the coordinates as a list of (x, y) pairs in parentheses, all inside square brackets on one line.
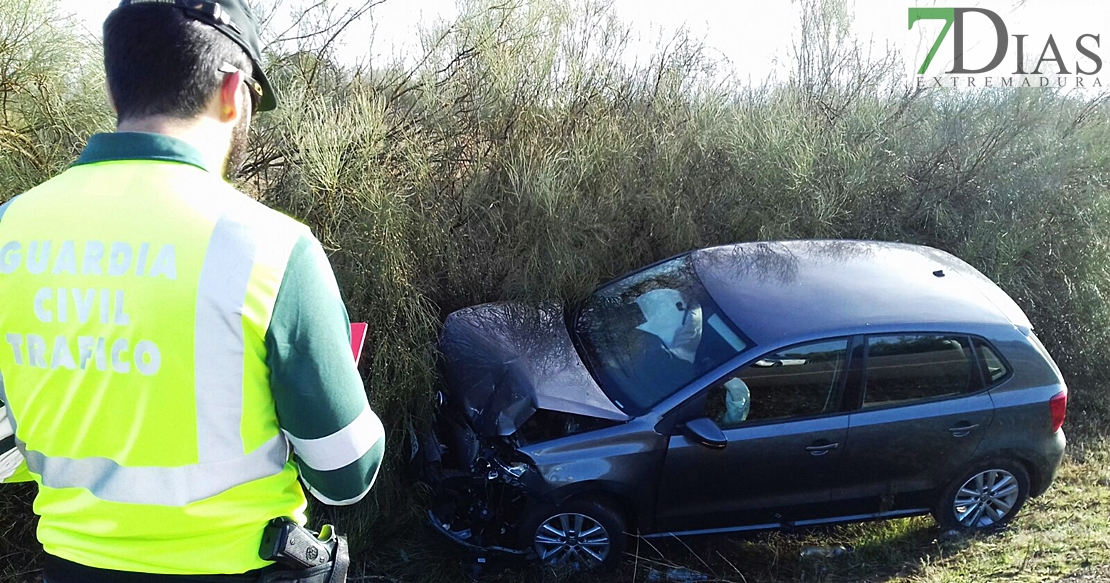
[(986, 499), (570, 538)]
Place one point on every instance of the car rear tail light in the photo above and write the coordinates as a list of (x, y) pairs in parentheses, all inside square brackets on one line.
[(1059, 407)]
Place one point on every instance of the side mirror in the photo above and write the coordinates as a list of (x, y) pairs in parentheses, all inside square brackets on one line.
[(704, 431)]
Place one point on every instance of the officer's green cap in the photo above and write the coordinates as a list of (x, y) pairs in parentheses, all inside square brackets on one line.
[(234, 19)]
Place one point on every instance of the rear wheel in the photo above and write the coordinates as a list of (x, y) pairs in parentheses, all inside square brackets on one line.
[(987, 496), (580, 534)]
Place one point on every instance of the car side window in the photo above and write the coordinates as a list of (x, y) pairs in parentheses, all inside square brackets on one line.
[(993, 368), (799, 381), (904, 368)]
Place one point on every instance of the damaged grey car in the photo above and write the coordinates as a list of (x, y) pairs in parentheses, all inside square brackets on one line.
[(746, 387)]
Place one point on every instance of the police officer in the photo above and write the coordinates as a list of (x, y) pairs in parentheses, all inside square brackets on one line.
[(173, 354)]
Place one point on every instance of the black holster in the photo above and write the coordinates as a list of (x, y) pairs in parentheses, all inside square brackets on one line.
[(334, 571)]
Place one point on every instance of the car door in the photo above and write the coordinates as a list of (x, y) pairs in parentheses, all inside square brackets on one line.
[(783, 429), (922, 414)]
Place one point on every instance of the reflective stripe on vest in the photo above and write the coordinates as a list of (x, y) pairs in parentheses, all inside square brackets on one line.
[(179, 486), (219, 344)]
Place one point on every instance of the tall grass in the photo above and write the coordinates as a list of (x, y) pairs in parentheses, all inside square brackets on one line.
[(51, 93), (523, 157)]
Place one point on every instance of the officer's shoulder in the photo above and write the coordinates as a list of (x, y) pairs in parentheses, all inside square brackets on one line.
[(246, 206)]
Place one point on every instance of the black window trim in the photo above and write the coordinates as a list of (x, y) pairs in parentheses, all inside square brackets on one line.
[(853, 397)]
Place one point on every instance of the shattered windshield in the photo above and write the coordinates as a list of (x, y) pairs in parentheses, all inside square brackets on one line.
[(651, 333)]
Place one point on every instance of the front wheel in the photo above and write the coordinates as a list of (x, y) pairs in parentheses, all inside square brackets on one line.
[(987, 496), (580, 534)]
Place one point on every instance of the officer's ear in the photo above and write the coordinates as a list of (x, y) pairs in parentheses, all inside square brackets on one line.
[(230, 106)]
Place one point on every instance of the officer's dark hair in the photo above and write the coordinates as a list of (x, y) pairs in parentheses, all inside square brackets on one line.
[(158, 61)]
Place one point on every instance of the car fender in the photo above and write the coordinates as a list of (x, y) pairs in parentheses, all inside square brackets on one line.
[(629, 501)]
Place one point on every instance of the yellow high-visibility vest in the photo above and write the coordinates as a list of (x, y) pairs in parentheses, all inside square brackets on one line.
[(136, 296)]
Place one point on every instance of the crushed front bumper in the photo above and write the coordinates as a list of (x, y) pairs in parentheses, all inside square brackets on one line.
[(478, 498), (466, 538)]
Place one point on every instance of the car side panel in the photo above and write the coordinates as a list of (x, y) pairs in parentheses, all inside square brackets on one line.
[(762, 472), (1022, 429), (624, 461), (1023, 432), (897, 453)]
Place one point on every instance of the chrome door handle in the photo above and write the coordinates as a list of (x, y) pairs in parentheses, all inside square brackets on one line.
[(822, 449), (962, 431)]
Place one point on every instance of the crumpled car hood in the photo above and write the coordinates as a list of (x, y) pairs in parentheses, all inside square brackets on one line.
[(502, 362)]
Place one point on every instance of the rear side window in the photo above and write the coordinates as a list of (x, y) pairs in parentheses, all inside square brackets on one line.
[(904, 368), (994, 370)]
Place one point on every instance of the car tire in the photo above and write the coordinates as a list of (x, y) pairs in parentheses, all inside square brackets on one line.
[(579, 535), (986, 496)]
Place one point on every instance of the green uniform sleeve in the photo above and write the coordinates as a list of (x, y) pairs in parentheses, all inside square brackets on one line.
[(338, 441)]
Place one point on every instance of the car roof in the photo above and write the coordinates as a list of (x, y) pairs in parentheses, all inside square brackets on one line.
[(778, 291)]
